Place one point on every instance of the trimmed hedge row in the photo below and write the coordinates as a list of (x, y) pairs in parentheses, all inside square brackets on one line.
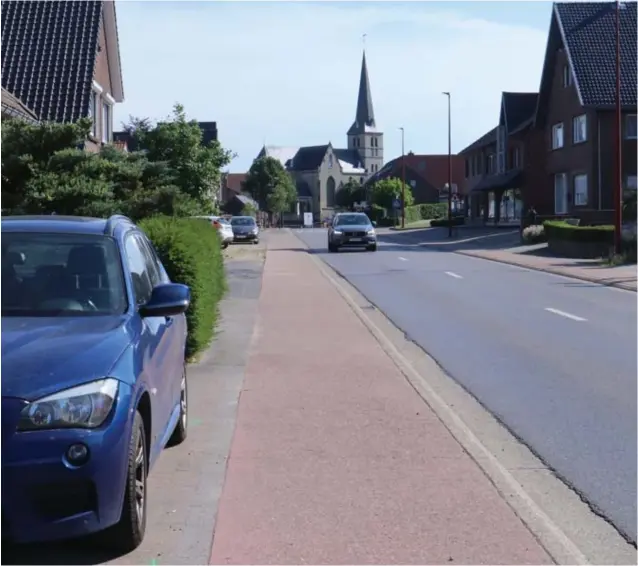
[(191, 253), (412, 213), (561, 230)]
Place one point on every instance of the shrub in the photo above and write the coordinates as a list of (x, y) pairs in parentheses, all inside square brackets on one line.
[(191, 253), (441, 222), (534, 234), (433, 211), (561, 230)]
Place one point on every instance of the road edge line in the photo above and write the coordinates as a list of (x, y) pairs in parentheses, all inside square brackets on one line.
[(549, 535)]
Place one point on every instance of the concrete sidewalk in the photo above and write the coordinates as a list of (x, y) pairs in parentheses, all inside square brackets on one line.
[(336, 459)]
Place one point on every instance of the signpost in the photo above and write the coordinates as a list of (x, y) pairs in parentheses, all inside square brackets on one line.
[(396, 205), (307, 219)]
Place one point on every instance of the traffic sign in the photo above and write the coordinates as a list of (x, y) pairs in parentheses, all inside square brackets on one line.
[(396, 204)]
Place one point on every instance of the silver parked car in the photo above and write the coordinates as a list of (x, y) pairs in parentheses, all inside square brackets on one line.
[(245, 229), (352, 229)]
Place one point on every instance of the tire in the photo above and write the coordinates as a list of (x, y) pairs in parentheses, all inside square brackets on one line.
[(372, 248), (255, 242), (128, 533), (332, 248), (224, 245), (181, 428)]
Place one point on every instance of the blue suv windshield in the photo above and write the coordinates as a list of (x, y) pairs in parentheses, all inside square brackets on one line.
[(53, 274)]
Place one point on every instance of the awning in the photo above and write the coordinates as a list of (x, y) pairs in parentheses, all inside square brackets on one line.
[(502, 182)]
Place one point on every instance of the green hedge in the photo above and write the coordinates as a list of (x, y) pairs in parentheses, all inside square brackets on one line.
[(561, 230), (412, 213), (191, 253)]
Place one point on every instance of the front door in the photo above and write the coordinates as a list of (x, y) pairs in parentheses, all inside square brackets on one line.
[(560, 193)]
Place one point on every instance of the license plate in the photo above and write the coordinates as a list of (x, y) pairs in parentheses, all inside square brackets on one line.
[(241, 236), (356, 240)]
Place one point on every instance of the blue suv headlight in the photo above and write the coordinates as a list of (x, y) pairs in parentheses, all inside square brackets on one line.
[(85, 406)]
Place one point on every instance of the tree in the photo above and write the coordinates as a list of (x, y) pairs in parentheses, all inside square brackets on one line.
[(44, 170), (350, 193), (270, 185), (176, 141), (386, 190)]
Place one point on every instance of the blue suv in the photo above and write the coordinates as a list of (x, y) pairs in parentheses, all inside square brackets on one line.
[(93, 376)]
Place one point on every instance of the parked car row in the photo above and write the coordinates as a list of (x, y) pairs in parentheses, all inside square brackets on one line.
[(238, 229)]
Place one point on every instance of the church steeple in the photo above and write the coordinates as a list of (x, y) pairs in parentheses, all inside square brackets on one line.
[(364, 118), (363, 136)]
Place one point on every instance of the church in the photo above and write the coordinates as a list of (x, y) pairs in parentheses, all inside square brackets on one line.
[(320, 171)]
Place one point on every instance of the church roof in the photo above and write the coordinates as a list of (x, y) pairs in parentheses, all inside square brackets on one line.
[(308, 158), (364, 119), (283, 154), (349, 160)]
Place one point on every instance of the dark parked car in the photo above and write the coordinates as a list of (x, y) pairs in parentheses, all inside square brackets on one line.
[(351, 229), (93, 376), (245, 229)]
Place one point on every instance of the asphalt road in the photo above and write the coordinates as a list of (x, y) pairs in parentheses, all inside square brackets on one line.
[(553, 358)]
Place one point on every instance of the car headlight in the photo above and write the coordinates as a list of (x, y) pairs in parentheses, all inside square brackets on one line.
[(255, 230), (337, 232), (86, 406), (371, 232)]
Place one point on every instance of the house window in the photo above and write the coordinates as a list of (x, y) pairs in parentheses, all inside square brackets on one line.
[(631, 127), (557, 136), (106, 122), (93, 113), (631, 184), (516, 157), (490, 163), (567, 76), (467, 167), (580, 190), (579, 129)]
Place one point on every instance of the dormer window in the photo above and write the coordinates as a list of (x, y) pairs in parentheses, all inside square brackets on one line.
[(567, 76)]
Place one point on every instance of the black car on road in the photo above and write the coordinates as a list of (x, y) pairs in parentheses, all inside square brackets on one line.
[(245, 229), (352, 229)]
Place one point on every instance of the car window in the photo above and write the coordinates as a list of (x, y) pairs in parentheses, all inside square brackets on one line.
[(351, 220), (137, 265), (151, 266), (54, 274), (162, 276), (242, 221)]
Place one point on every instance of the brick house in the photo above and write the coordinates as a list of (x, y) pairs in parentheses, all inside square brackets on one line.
[(61, 60), (576, 109), (232, 184), (501, 166), (426, 175)]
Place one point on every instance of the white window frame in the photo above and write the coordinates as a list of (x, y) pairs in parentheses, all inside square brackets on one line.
[(563, 178), (107, 120), (579, 129), (96, 109), (581, 191), (567, 76), (556, 142), (633, 120)]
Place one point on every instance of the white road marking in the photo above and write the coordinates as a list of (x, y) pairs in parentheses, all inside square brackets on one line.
[(455, 275), (403, 258), (565, 314)]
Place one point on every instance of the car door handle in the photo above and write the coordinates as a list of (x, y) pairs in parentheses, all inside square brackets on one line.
[(169, 320)]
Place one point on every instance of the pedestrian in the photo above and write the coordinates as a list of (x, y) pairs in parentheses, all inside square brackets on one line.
[(532, 215)]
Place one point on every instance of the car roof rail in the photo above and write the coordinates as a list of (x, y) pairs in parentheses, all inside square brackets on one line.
[(113, 221)]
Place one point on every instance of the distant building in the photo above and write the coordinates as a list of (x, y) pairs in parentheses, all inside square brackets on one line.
[(320, 171)]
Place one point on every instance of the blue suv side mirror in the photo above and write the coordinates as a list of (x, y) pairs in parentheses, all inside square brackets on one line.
[(167, 299)]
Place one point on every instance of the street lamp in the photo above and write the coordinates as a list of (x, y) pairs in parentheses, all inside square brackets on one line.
[(618, 191), (402, 177), (449, 163)]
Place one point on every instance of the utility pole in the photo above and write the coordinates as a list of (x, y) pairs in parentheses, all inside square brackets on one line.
[(402, 178), (449, 163), (618, 183)]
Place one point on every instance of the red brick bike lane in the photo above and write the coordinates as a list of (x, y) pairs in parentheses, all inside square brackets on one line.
[(336, 459)]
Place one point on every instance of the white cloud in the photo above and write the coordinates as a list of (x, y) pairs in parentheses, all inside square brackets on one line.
[(288, 72)]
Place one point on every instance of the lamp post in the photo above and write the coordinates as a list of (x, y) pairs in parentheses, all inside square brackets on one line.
[(402, 177), (449, 163), (618, 183)]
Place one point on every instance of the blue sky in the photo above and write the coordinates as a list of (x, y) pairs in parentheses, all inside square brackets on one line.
[(287, 73)]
